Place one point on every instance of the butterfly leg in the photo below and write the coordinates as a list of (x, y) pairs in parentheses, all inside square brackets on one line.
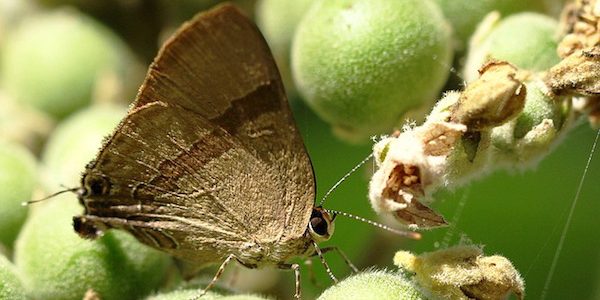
[(216, 277), (324, 262), (343, 255), (296, 269), (309, 263)]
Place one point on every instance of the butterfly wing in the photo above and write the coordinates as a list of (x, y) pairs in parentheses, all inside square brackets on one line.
[(208, 159)]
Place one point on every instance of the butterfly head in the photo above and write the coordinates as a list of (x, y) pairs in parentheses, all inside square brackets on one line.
[(321, 224), (91, 186)]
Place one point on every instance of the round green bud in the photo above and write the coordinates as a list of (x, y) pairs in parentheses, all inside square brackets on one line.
[(54, 61), (362, 65), (464, 15), (538, 107), (18, 178), (529, 137), (184, 294), (187, 294), (75, 142), (527, 40), (373, 285), (243, 297), (58, 264), (10, 284)]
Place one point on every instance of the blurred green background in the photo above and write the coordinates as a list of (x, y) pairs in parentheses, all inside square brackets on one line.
[(518, 214)]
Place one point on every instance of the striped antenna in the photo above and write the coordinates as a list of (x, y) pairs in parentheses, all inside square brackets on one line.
[(73, 190), (408, 234), (344, 178)]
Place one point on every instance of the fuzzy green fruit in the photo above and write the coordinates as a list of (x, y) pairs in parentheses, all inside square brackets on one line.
[(75, 142), (373, 285), (10, 284), (18, 177), (525, 140), (464, 15), (54, 61), (190, 293), (57, 264), (538, 107), (184, 294), (527, 40), (363, 64)]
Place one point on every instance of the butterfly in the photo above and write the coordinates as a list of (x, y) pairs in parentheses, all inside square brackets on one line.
[(208, 164)]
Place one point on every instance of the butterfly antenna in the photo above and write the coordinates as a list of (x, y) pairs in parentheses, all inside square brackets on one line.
[(73, 190), (408, 234), (344, 178)]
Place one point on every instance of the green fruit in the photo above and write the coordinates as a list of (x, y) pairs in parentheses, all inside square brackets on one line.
[(538, 107), (363, 64), (527, 40), (10, 284), (184, 294), (464, 15), (190, 293), (373, 285), (18, 178), (75, 142), (57, 264), (53, 61), (525, 140)]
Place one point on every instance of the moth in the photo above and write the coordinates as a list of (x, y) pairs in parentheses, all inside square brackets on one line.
[(208, 164)]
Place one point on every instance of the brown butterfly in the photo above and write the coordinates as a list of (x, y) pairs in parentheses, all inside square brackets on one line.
[(208, 164)]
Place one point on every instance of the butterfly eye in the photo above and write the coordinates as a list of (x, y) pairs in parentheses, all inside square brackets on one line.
[(96, 186), (321, 225), (318, 225)]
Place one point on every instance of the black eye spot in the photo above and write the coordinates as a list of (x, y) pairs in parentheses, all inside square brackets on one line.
[(97, 186), (319, 225)]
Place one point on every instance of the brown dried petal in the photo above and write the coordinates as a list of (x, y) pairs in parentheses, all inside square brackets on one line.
[(579, 26), (493, 99), (439, 138), (499, 278), (577, 74), (463, 272), (404, 187)]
